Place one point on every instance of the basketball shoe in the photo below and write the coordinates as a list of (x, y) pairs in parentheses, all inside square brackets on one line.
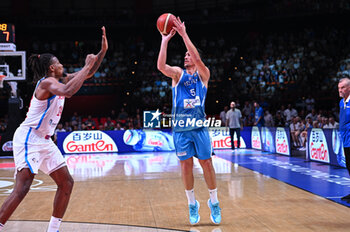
[(215, 212), (193, 211)]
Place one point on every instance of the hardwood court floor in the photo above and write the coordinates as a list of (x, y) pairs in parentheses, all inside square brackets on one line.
[(145, 190)]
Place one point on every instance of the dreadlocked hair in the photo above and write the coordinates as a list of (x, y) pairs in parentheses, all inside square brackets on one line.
[(39, 64)]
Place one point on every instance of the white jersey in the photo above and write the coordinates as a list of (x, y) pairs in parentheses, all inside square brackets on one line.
[(44, 115)]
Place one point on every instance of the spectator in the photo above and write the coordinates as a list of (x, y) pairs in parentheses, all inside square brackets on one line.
[(67, 127), (137, 122), (89, 122), (268, 119), (109, 124), (312, 115), (122, 116), (325, 122), (101, 127), (238, 105), (303, 135), (118, 126), (281, 112), (248, 114), (332, 124), (301, 115), (309, 123), (247, 109), (75, 119), (319, 121), (234, 122), (310, 103), (130, 126), (295, 130), (113, 115), (83, 127), (279, 121), (315, 124), (259, 115), (289, 113), (223, 116)]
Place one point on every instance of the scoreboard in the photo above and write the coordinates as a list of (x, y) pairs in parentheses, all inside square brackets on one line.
[(7, 33)]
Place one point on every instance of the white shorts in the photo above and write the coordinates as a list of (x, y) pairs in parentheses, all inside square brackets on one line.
[(35, 152)]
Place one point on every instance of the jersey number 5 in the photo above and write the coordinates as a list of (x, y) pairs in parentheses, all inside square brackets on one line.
[(193, 92)]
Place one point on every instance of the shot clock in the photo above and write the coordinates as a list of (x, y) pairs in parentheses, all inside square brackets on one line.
[(12, 62), (7, 33)]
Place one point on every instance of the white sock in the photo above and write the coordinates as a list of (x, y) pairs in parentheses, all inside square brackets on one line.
[(190, 197), (1, 226), (54, 224), (213, 193)]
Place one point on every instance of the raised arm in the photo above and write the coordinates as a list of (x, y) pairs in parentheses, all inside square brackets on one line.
[(51, 85), (202, 69), (173, 72), (100, 56)]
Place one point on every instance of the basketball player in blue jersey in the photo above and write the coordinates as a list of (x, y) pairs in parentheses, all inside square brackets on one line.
[(189, 89), (33, 148)]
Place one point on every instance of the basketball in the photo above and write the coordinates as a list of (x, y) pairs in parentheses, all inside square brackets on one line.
[(165, 23)]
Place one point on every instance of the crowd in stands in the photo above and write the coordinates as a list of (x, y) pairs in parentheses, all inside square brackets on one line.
[(268, 66), (277, 60), (113, 121), (298, 121)]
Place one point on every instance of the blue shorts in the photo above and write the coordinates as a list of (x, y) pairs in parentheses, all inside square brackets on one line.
[(195, 143)]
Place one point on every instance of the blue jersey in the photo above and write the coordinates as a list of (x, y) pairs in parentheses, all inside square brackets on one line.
[(259, 113), (344, 122), (188, 102)]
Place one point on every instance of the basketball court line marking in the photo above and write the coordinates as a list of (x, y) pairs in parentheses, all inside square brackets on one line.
[(106, 224), (333, 190)]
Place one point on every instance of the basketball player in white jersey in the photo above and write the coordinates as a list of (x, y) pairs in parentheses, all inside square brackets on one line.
[(33, 148), (189, 89)]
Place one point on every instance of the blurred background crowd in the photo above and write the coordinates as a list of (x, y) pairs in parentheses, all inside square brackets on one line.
[(288, 55)]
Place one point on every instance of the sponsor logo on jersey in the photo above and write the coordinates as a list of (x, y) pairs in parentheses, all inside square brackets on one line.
[(192, 103)]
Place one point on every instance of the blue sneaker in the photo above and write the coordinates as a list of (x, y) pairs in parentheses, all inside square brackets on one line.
[(215, 212), (193, 211)]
